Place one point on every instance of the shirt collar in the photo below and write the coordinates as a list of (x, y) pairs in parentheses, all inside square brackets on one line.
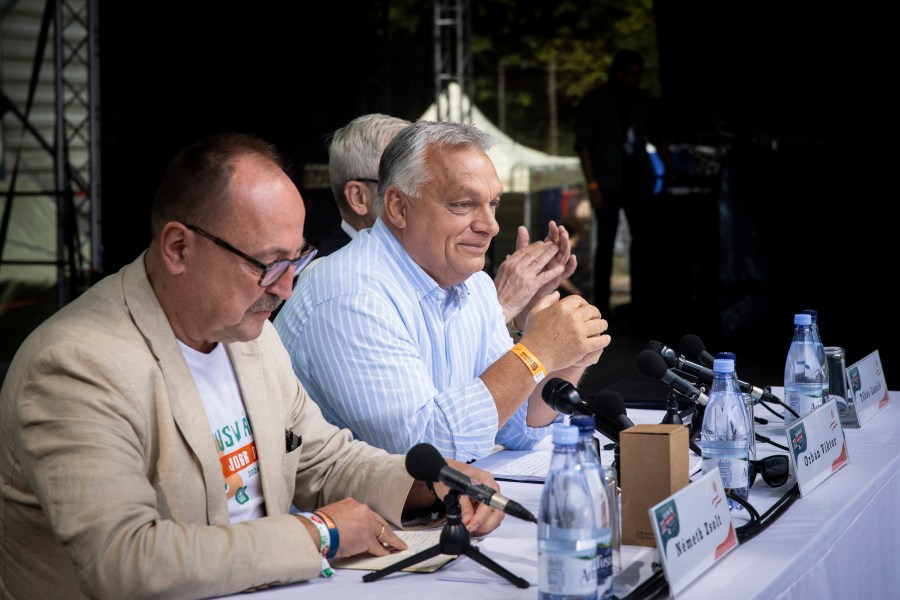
[(348, 229), (423, 284)]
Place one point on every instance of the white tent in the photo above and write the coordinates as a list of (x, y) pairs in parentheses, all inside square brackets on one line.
[(521, 169)]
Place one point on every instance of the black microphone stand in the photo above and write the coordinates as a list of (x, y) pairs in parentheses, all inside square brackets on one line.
[(695, 429), (454, 541), (675, 417), (673, 414)]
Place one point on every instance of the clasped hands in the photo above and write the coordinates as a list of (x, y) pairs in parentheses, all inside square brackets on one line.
[(567, 332), (533, 271)]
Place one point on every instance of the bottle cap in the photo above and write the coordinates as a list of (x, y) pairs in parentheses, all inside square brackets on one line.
[(584, 423), (723, 365), (725, 355), (566, 435), (803, 319)]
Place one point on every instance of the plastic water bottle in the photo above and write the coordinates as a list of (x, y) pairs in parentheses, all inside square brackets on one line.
[(615, 516), (803, 371), (748, 403), (590, 459), (725, 434), (820, 350), (567, 525)]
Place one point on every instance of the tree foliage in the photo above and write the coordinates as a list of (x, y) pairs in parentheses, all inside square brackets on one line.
[(523, 39), (577, 37)]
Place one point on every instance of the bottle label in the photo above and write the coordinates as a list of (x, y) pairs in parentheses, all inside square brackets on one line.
[(567, 574), (605, 563), (803, 399), (734, 471)]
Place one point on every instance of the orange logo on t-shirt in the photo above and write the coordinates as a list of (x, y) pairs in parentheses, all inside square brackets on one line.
[(235, 462)]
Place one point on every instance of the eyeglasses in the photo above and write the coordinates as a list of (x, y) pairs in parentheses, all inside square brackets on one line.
[(775, 470), (363, 180), (270, 272)]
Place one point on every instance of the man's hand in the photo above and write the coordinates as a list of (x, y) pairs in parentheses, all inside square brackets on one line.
[(361, 530), (478, 518), (533, 271), (565, 332)]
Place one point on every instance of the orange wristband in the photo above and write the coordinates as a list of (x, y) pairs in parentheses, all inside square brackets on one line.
[(538, 372)]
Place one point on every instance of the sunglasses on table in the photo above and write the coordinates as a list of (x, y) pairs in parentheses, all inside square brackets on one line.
[(775, 470)]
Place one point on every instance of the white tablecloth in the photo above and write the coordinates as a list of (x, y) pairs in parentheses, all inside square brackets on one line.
[(840, 541)]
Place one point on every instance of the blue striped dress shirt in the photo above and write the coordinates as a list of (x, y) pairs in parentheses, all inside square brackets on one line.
[(388, 354)]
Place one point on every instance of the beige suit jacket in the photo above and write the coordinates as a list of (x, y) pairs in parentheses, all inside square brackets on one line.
[(110, 483)]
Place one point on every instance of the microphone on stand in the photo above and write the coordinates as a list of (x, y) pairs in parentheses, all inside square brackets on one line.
[(677, 361), (692, 346), (682, 364), (561, 396), (651, 364), (609, 407), (424, 462)]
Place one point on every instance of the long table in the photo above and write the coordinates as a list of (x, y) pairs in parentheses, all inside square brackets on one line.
[(840, 541)]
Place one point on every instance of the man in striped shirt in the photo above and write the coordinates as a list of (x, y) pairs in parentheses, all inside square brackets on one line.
[(400, 337), (534, 270)]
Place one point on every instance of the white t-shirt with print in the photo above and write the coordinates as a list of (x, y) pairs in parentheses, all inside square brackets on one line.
[(231, 431)]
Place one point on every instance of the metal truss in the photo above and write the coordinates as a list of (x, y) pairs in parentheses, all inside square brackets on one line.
[(52, 147), (453, 57)]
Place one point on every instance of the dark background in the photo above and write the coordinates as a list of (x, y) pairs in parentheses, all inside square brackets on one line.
[(796, 95)]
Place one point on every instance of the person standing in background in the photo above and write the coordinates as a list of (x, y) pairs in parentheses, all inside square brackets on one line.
[(614, 122)]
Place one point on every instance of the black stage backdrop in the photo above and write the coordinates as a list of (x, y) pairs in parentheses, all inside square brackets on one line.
[(800, 217)]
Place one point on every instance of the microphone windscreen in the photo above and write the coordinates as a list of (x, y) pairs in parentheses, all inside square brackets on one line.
[(553, 387), (609, 404), (691, 346), (657, 347), (651, 364), (424, 462)]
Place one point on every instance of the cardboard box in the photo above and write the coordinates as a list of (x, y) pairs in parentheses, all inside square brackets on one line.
[(653, 465)]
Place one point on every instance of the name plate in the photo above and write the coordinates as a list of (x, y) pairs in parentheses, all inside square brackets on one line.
[(693, 530), (867, 387), (817, 446)]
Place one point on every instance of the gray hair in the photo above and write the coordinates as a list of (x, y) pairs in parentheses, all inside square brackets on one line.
[(403, 162), (355, 149)]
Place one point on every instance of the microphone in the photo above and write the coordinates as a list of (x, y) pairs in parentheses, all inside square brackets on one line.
[(679, 362), (651, 364), (561, 396), (692, 346), (609, 406), (424, 462)]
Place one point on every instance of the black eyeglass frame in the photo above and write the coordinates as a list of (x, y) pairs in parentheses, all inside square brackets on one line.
[(270, 272), (363, 180), (766, 467)]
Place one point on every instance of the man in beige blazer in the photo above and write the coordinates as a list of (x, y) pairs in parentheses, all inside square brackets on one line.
[(113, 482)]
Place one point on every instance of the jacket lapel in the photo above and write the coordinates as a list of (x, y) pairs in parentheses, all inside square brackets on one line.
[(184, 401), (266, 421)]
